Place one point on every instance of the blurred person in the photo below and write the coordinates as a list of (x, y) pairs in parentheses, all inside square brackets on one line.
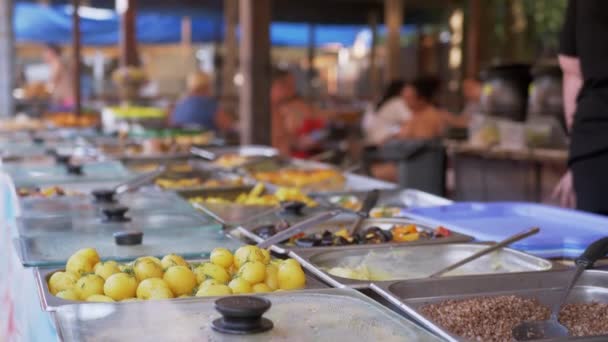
[(61, 82), (583, 58), (471, 91), (198, 107), (427, 120), (384, 121), (298, 129)]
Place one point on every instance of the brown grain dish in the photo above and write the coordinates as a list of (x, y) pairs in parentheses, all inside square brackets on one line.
[(485, 318), (585, 319)]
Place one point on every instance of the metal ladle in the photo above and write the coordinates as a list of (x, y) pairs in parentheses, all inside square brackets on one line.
[(551, 328), (490, 249)]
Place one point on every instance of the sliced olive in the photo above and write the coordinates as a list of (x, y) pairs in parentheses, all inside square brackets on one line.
[(305, 242)]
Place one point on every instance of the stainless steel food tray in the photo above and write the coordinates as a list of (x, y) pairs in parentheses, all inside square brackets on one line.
[(345, 221), (253, 151), (404, 198), (51, 303), (230, 215), (409, 296), (407, 261), (205, 175)]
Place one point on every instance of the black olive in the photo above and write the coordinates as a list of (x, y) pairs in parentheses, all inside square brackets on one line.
[(374, 235), (265, 231), (327, 239), (388, 235), (305, 242)]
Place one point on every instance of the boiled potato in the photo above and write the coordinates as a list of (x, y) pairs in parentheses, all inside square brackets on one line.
[(120, 286), (272, 277), (216, 272), (214, 290), (60, 281), (247, 253), (253, 272), (100, 298), (238, 285), (180, 279), (106, 269), (130, 300), (161, 293), (145, 268), (173, 260), (155, 259), (79, 265), (261, 288), (209, 282), (266, 254), (88, 285), (291, 276), (221, 257), (90, 254), (69, 294), (146, 288)]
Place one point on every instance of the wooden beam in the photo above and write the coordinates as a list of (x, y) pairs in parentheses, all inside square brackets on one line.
[(473, 54), (393, 19), (374, 75), (230, 60), (76, 56), (7, 58), (255, 69), (128, 34)]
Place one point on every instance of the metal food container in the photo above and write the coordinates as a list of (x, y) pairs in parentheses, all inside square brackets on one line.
[(225, 180), (249, 152), (360, 267), (315, 315), (51, 303), (547, 287), (228, 214), (345, 221), (398, 198)]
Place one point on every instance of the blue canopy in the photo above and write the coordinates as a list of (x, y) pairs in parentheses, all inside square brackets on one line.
[(52, 24)]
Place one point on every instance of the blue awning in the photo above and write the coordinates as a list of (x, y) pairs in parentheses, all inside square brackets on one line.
[(52, 24)]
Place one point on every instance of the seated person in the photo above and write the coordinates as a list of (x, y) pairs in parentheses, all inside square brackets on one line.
[(297, 128), (198, 107), (427, 121), (390, 113)]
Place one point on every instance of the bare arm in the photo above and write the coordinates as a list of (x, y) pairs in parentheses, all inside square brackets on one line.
[(573, 81)]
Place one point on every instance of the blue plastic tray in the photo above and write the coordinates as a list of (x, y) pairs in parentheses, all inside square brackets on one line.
[(564, 233)]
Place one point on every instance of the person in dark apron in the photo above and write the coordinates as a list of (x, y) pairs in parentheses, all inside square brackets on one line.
[(584, 61)]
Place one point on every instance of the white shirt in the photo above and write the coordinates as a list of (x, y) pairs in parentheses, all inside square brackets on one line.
[(386, 121)]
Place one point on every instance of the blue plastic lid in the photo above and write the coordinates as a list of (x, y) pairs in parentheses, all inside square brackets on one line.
[(564, 233)]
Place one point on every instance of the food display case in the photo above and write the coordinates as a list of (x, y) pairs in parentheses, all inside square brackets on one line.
[(91, 203), (33, 176), (543, 289), (40, 243), (322, 315), (360, 266)]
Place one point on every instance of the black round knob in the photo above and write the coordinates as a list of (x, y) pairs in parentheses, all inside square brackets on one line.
[(62, 158), (74, 169), (38, 140), (293, 207), (242, 315), (115, 214), (104, 195), (130, 238)]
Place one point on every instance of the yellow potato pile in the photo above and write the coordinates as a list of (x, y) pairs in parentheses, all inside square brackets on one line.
[(249, 270), (257, 197)]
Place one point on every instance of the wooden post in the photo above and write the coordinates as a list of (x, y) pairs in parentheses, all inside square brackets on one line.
[(76, 56), (7, 58), (393, 19), (230, 61), (374, 76), (128, 34), (255, 68), (310, 55), (473, 53)]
